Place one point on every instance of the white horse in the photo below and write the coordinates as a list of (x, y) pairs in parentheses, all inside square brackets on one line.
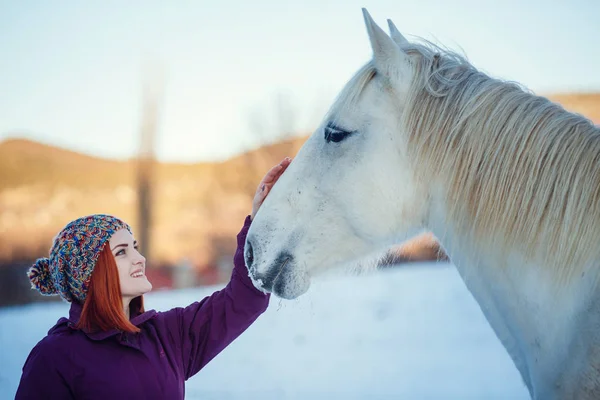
[(509, 183)]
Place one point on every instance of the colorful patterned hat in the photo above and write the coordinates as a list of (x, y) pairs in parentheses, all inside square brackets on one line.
[(73, 256)]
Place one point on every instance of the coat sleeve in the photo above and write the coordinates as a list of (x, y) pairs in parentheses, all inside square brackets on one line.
[(206, 327), (40, 378)]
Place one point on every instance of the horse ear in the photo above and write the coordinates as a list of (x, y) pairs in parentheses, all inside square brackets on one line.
[(396, 35), (388, 57)]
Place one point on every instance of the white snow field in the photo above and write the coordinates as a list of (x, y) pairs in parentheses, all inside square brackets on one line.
[(413, 332)]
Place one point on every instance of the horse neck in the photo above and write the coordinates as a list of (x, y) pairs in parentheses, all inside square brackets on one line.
[(544, 326)]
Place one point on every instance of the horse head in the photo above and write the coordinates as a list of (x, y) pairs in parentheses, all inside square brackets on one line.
[(351, 190)]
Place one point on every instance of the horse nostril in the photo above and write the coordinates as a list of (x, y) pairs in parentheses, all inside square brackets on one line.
[(249, 254)]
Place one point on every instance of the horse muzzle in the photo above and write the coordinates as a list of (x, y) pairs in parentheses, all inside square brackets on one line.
[(281, 277)]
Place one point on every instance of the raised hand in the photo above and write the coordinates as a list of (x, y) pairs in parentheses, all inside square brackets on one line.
[(267, 183)]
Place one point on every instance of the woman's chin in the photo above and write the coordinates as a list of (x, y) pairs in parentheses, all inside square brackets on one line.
[(147, 287), (140, 288)]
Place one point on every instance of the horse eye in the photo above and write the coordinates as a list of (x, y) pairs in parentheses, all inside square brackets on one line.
[(335, 134)]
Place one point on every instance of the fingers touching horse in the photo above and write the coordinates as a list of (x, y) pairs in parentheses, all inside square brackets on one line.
[(509, 183)]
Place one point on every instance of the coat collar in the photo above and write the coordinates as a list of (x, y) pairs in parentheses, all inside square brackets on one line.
[(136, 319)]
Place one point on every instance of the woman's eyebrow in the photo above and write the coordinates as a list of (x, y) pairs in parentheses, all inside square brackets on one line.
[(135, 243), (120, 245)]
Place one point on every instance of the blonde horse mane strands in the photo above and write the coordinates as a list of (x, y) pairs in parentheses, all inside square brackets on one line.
[(522, 173)]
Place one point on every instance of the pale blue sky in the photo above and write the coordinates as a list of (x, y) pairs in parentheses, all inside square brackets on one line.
[(71, 74)]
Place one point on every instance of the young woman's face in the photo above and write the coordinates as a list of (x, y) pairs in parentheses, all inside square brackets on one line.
[(130, 263)]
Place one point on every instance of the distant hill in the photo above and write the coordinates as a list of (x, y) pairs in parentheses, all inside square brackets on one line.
[(25, 162), (42, 187)]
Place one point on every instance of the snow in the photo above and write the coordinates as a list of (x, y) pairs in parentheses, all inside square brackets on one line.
[(413, 333)]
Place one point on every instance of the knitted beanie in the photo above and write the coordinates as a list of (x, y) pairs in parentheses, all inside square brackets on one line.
[(73, 256)]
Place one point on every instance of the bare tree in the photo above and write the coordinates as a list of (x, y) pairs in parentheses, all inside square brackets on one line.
[(275, 125), (151, 98)]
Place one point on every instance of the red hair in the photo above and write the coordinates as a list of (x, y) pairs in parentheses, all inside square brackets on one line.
[(103, 306)]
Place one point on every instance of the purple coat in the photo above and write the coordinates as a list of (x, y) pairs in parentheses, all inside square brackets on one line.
[(155, 363)]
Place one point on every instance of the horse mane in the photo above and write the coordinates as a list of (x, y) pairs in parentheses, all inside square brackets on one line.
[(522, 173)]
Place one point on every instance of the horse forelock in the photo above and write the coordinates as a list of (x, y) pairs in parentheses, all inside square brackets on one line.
[(522, 173), (352, 91)]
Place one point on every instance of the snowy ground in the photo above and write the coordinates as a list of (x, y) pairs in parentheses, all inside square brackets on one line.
[(411, 333)]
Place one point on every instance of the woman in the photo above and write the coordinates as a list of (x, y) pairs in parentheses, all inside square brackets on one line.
[(110, 347)]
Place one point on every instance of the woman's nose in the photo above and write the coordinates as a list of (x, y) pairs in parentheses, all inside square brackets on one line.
[(140, 259)]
